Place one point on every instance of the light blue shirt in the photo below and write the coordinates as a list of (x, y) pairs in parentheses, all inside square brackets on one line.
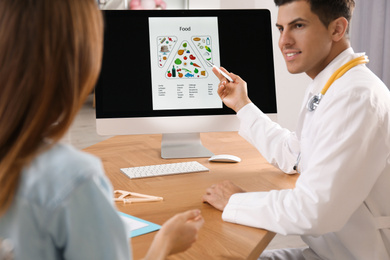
[(64, 210)]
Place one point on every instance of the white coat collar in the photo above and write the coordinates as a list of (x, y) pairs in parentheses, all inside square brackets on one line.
[(320, 80)]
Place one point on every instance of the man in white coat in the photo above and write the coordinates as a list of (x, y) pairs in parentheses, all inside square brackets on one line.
[(341, 148)]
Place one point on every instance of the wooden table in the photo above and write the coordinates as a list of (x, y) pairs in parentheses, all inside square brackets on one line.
[(217, 239)]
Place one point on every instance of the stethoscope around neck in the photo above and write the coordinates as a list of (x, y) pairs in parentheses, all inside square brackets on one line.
[(315, 100)]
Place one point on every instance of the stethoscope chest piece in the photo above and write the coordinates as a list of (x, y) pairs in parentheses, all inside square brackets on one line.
[(314, 101)]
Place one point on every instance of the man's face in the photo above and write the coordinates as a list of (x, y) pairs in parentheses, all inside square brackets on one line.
[(305, 42)]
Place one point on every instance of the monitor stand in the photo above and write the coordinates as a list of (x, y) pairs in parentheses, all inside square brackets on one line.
[(183, 146)]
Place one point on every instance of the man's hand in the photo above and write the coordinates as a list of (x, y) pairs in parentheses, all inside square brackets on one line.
[(218, 195), (233, 94)]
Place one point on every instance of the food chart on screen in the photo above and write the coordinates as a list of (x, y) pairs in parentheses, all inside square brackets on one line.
[(179, 49)]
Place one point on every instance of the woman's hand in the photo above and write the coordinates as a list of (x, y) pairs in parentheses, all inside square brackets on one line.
[(176, 235)]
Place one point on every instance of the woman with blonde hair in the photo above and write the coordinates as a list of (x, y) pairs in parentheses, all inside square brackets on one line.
[(55, 201)]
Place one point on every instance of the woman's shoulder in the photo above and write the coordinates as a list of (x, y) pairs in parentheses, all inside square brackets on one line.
[(63, 159), (53, 174)]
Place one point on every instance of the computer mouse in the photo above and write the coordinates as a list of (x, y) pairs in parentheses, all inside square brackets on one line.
[(224, 158)]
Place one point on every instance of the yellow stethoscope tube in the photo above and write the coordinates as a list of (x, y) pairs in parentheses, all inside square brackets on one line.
[(315, 100)]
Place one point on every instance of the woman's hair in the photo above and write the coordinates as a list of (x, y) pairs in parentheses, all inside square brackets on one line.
[(50, 57), (327, 10)]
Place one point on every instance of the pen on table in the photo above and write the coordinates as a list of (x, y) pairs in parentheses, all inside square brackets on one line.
[(220, 71), (135, 200)]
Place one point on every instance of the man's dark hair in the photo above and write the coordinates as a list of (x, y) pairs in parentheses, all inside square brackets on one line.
[(327, 10)]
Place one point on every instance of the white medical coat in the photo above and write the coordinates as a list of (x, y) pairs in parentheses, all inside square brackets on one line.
[(340, 205)]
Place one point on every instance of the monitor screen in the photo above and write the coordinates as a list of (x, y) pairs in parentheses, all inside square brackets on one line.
[(157, 74)]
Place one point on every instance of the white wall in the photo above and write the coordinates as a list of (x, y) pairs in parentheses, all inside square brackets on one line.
[(177, 4), (205, 4), (289, 88)]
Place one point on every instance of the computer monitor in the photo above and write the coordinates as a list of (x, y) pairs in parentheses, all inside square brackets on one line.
[(155, 78)]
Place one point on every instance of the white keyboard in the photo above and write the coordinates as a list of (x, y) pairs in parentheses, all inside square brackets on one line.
[(164, 169)]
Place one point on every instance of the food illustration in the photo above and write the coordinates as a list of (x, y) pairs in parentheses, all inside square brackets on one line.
[(203, 44), (186, 64), (165, 45)]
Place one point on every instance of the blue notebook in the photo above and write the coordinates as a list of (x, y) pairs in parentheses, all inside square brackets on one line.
[(136, 226)]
